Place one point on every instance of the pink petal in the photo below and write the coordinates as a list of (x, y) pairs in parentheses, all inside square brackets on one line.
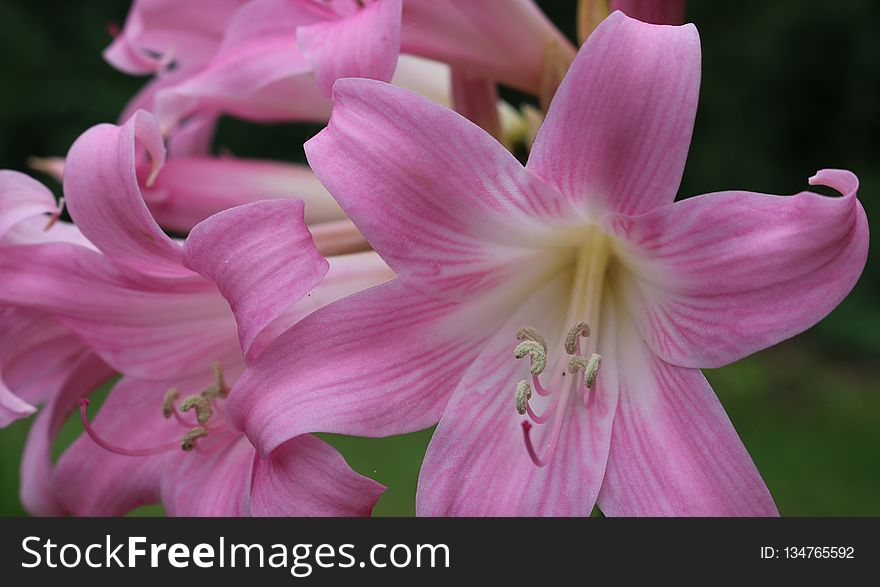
[(617, 133), (37, 355), (305, 476), (364, 44), (673, 451), (22, 197), (40, 495), (157, 31), (212, 480), (145, 326), (721, 276), (477, 463), (380, 362), (505, 41), (653, 11), (262, 258), (445, 210), (105, 201), (348, 274), (189, 189)]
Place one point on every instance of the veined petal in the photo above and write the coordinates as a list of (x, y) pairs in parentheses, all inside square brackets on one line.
[(190, 189), (617, 133), (37, 355), (505, 41), (305, 476), (674, 451), (380, 362), (214, 479), (262, 258), (720, 276), (446, 211), (145, 326), (477, 463), (39, 494), (105, 201), (348, 274), (363, 44)]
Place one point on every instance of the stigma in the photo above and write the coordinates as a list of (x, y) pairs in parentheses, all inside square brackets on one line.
[(533, 345)]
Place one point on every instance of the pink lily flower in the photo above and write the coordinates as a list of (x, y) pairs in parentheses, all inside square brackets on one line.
[(37, 353), (279, 58), (185, 315), (554, 317)]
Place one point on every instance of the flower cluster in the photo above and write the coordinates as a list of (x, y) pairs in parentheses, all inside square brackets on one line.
[(550, 318)]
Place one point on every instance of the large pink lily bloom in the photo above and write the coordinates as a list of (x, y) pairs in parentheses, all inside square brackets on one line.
[(185, 315), (37, 353), (497, 261)]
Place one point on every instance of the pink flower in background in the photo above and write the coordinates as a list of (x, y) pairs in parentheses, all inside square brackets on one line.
[(554, 318), (272, 60), (164, 313)]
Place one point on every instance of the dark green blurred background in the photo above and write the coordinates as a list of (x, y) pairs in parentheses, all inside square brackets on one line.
[(789, 87)]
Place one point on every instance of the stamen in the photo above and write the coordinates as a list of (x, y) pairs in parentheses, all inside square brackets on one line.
[(523, 395), (535, 351), (189, 439), (572, 339), (143, 452), (168, 402), (531, 333), (202, 406), (219, 389), (592, 370)]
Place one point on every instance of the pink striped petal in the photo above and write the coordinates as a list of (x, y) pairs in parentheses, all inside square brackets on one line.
[(617, 133), (188, 190), (144, 326), (262, 258), (721, 276), (105, 201), (380, 362), (477, 463), (363, 44), (445, 210), (37, 355), (305, 476), (674, 451), (212, 480)]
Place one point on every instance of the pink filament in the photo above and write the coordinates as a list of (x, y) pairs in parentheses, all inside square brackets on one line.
[(539, 389), (554, 433), (143, 452)]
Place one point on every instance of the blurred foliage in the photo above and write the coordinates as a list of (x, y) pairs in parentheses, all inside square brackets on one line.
[(789, 87)]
